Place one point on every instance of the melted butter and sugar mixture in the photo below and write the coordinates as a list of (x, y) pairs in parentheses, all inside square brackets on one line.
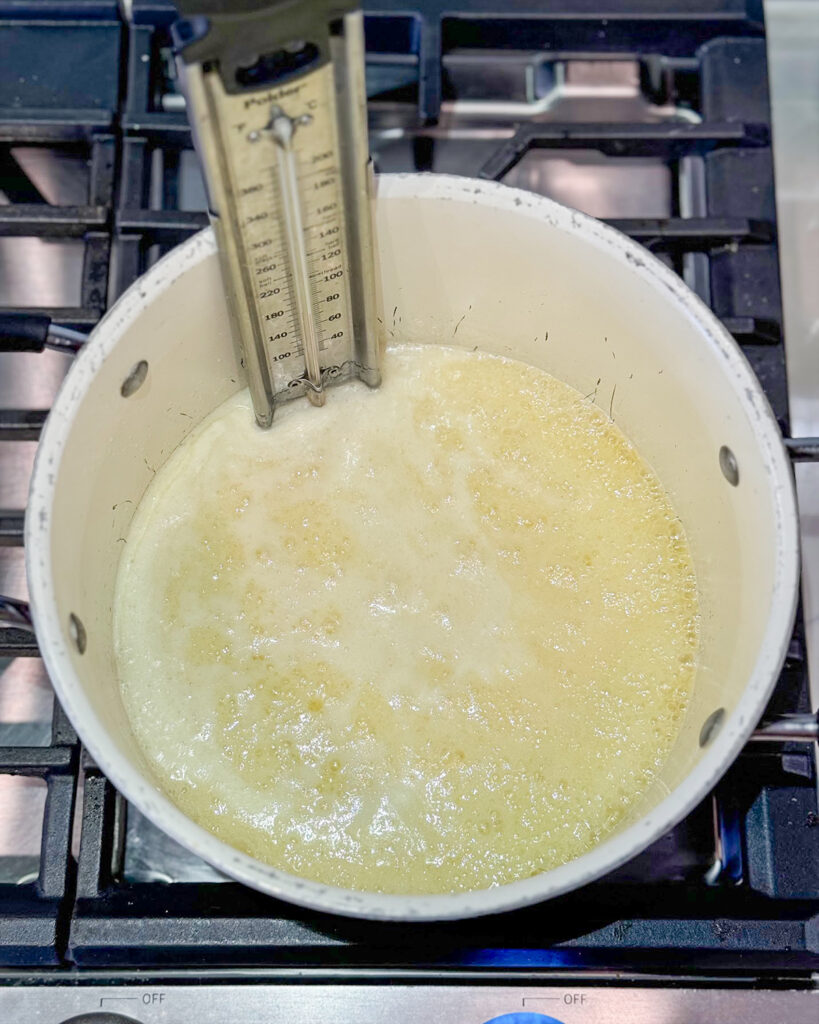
[(430, 638)]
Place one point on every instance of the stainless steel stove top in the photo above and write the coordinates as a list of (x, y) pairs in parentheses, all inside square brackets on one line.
[(355, 1003)]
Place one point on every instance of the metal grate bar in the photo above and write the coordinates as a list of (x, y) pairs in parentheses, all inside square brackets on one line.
[(74, 317), (21, 425), (103, 167), (667, 140), (16, 643), (95, 272), (169, 128), (55, 851), (39, 219), (751, 328), (169, 226), (626, 924), (11, 527), (37, 125), (34, 761), (97, 842), (694, 233), (62, 731)]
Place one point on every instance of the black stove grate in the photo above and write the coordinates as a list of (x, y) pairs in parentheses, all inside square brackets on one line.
[(758, 911), (59, 89)]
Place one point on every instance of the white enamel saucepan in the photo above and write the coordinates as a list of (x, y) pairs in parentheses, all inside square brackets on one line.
[(464, 263)]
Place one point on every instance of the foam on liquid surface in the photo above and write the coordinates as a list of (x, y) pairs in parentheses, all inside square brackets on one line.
[(429, 638)]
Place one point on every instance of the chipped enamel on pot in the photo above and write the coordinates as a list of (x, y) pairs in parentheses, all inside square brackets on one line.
[(463, 263)]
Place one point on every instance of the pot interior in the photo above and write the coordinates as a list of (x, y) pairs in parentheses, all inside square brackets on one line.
[(471, 265)]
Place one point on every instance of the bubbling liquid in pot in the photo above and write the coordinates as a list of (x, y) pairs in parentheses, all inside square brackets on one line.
[(430, 638)]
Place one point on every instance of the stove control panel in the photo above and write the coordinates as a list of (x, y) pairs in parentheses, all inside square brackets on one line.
[(265, 1002)]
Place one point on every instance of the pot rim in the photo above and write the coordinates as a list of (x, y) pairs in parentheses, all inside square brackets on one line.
[(604, 857)]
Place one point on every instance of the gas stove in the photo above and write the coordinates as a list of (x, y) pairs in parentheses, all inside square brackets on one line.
[(653, 116)]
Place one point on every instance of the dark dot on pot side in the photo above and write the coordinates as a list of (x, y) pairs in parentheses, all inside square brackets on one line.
[(76, 630), (135, 379), (729, 465), (711, 726)]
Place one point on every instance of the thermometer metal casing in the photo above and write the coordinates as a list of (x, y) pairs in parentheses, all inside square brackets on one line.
[(277, 105)]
